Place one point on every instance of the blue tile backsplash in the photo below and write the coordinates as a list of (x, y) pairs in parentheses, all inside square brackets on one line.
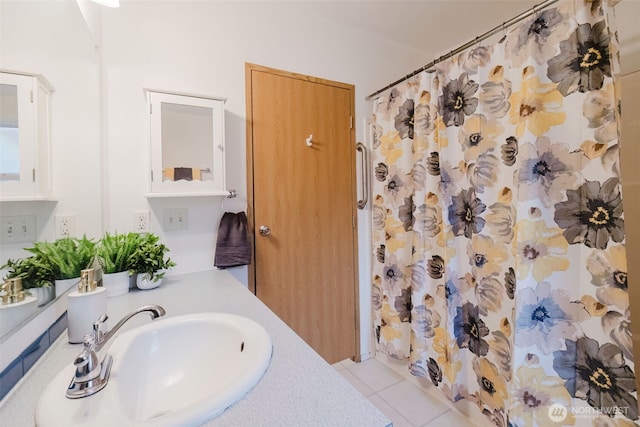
[(19, 367)]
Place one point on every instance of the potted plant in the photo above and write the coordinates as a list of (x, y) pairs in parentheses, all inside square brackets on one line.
[(37, 277), (64, 258), (114, 253), (149, 262)]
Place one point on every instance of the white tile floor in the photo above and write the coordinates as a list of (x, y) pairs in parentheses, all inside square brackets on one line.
[(400, 397)]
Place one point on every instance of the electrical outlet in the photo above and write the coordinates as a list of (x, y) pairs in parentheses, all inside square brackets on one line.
[(175, 219), (141, 221), (18, 229), (65, 226)]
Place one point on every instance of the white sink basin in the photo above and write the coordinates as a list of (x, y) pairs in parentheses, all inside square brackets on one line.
[(179, 371)]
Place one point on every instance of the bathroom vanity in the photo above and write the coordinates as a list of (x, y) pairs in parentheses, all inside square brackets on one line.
[(298, 389)]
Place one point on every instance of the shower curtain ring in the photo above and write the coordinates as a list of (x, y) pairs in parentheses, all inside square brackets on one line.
[(504, 34), (536, 11)]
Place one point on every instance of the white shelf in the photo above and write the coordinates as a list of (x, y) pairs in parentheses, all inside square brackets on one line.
[(186, 194), (28, 198)]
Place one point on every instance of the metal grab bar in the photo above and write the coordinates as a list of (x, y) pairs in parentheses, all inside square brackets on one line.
[(364, 172)]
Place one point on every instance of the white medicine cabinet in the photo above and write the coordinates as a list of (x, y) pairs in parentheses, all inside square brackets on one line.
[(187, 144), (25, 137)]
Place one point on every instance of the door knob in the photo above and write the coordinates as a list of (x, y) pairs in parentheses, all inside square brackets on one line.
[(264, 230)]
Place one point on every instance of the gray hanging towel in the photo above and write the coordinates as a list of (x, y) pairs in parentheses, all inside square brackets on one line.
[(233, 247)]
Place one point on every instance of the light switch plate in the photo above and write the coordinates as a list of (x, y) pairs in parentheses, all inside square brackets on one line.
[(175, 219), (18, 229)]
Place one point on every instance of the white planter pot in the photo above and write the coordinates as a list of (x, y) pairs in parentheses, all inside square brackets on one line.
[(133, 280), (63, 285), (116, 284), (11, 315), (43, 295), (143, 282)]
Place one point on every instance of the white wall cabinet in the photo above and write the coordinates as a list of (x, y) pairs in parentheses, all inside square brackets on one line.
[(25, 137), (186, 144)]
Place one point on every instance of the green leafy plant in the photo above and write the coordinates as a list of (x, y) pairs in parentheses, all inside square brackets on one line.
[(115, 251), (64, 258), (33, 271), (149, 258)]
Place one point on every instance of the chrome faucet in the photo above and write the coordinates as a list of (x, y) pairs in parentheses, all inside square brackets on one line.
[(93, 365)]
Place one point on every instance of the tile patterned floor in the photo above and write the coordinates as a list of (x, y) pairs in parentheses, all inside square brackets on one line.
[(399, 396)]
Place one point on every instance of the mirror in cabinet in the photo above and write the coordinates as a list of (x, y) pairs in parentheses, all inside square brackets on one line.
[(31, 40), (187, 144), (25, 101)]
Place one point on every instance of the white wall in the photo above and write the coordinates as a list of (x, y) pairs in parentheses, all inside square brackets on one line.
[(202, 47), (625, 21), (629, 37)]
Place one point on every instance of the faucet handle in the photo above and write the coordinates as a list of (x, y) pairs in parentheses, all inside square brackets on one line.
[(87, 363), (98, 325)]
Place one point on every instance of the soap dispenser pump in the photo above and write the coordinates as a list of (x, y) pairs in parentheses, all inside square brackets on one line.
[(85, 306)]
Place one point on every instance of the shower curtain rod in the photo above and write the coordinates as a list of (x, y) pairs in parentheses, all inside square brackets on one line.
[(515, 20)]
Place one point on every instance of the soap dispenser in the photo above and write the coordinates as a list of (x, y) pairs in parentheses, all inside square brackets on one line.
[(85, 306), (12, 291)]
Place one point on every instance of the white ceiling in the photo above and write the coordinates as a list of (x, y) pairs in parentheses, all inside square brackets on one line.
[(435, 27), (430, 26)]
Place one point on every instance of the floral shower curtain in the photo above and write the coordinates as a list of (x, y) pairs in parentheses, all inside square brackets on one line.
[(499, 266)]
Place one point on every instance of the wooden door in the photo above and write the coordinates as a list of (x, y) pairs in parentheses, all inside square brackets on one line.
[(303, 190)]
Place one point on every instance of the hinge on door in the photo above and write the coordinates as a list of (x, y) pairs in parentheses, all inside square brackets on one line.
[(350, 122), (151, 175), (31, 96), (33, 174), (150, 108)]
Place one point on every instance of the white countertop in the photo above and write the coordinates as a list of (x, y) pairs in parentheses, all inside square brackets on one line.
[(299, 388)]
